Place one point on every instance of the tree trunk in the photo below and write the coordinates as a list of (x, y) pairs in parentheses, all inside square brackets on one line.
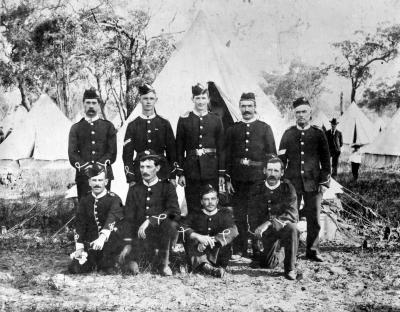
[(24, 101), (129, 101), (353, 94), (101, 102)]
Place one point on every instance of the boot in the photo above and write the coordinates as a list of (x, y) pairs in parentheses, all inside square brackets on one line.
[(212, 270)]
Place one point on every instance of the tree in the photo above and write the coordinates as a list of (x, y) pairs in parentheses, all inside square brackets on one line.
[(381, 97), (300, 80), (360, 54)]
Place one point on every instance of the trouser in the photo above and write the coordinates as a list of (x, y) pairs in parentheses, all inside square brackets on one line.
[(354, 170), (335, 161), (240, 202), (311, 211), (217, 256), (192, 192), (99, 259), (273, 240), (82, 185), (156, 246)]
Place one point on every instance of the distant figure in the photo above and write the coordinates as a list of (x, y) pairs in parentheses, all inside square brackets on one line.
[(8, 133), (2, 136), (335, 141), (355, 160)]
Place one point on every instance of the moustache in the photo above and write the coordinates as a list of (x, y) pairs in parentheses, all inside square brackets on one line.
[(246, 113), (272, 178)]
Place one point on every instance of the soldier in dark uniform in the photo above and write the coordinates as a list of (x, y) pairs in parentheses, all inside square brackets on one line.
[(207, 235), (335, 142), (147, 132), (97, 238), (151, 215), (200, 148), (2, 136), (304, 151), (249, 143), (91, 141), (274, 216)]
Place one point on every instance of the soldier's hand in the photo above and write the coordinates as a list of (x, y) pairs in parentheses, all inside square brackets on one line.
[(121, 258), (182, 181), (98, 244), (205, 240), (229, 187), (221, 184), (201, 247), (173, 182), (142, 229), (132, 183), (78, 253), (322, 189), (261, 229)]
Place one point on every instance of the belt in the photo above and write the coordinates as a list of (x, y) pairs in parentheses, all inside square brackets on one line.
[(249, 162), (201, 151)]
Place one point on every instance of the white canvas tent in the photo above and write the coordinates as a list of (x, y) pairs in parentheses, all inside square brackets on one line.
[(43, 137), (355, 126), (14, 118), (384, 151), (321, 120)]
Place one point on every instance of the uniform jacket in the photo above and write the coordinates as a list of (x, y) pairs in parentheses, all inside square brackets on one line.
[(335, 141), (195, 132), (220, 225), (97, 214), (145, 134), (154, 202), (305, 154), (90, 143), (254, 141), (267, 204)]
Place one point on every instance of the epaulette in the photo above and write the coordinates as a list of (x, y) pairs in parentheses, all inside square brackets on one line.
[(185, 115), (316, 127), (292, 127), (111, 193), (226, 210)]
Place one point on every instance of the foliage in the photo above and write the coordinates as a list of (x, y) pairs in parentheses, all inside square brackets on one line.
[(300, 80), (382, 96), (358, 55)]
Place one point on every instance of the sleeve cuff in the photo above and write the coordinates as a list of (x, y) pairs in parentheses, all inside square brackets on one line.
[(106, 233), (79, 246)]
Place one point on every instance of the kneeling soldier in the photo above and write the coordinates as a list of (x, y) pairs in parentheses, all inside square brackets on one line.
[(97, 229), (207, 235), (274, 214), (151, 212)]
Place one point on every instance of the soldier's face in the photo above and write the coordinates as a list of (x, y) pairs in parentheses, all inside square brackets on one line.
[(98, 183), (201, 102), (148, 101), (333, 126), (273, 172), (303, 114), (149, 170), (209, 201), (248, 109), (91, 107)]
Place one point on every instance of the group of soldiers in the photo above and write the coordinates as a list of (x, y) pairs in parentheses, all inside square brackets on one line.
[(265, 188)]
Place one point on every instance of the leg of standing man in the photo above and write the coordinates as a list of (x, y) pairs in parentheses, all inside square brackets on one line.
[(312, 210)]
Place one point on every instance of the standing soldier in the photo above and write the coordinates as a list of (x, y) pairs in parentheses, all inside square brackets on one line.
[(249, 143), (92, 140), (335, 142), (148, 132), (305, 153), (200, 144)]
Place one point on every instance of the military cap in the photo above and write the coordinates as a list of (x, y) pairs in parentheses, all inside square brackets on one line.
[(301, 101), (94, 170), (145, 89), (208, 188), (91, 94), (151, 155), (247, 96), (198, 89)]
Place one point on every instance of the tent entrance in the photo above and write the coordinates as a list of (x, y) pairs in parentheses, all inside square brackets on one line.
[(218, 105)]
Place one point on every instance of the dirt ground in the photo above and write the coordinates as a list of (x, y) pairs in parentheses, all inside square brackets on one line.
[(33, 278)]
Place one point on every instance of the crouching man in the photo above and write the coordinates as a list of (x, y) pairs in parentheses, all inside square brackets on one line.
[(273, 215), (151, 212), (208, 234), (97, 238)]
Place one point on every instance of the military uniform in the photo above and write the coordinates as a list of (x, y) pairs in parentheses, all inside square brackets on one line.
[(200, 153), (98, 214), (219, 225), (276, 204), (248, 146), (147, 133), (90, 142), (305, 154), (158, 203), (335, 142)]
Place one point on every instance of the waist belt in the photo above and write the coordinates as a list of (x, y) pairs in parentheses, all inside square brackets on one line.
[(201, 151), (249, 162)]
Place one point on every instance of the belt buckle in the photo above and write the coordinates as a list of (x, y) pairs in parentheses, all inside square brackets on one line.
[(245, 161), (200, 152), (147, 152)]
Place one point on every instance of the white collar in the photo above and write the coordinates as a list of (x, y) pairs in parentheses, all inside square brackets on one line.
[(250, 121), (151, 183), (272, 187), (104, 193), (210, 213), (305, 128), (92, 119), (200, 114), (147, 117)]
